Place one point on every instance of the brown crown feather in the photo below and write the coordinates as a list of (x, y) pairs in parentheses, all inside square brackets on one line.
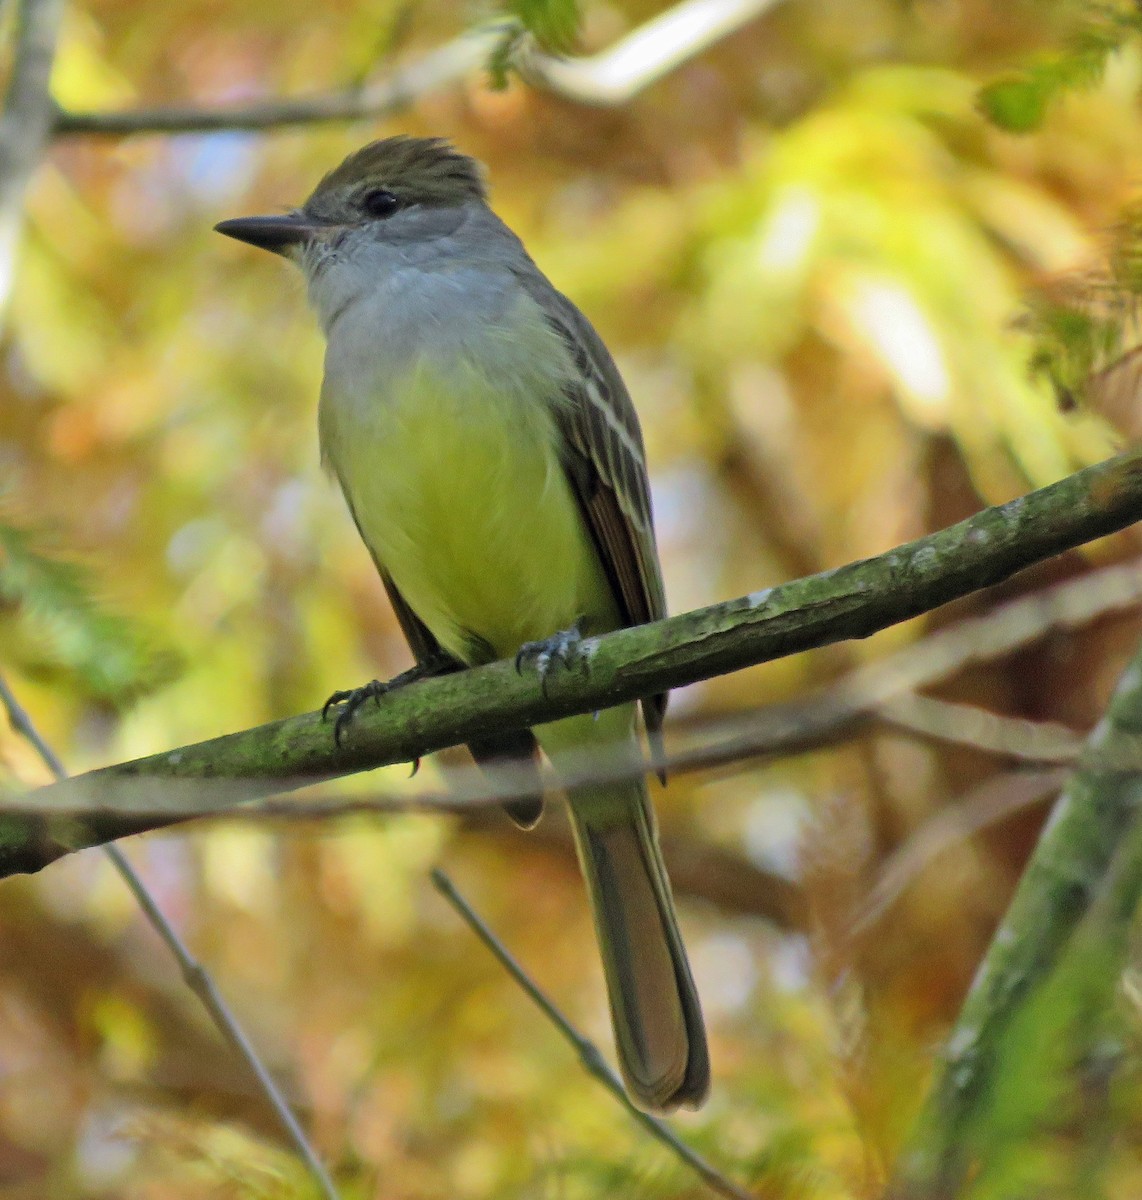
[(426, 170)]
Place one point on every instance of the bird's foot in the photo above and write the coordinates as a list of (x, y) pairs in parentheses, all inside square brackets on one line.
[(561, 649), (352, 699)]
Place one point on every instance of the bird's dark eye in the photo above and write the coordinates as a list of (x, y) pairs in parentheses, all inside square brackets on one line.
[(380, 203)]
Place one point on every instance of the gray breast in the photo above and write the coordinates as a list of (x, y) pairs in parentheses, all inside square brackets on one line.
[(449, 320)]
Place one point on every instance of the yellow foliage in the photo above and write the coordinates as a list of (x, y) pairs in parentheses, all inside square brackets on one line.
[(810, 253)]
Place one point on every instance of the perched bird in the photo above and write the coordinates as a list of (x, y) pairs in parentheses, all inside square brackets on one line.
[(493, 462)]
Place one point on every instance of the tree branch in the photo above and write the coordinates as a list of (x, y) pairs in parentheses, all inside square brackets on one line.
[(851, 601), (194, 974), (1089, 858), (611, 78), (994, 800), (643, 57), (388, 95), (884, 690), (589, 1054), (26, 123), (970, 725)]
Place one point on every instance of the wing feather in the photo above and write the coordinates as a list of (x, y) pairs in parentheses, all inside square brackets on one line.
[(606, 464)]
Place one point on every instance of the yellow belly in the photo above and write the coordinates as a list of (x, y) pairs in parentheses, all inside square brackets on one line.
[(460, 495)]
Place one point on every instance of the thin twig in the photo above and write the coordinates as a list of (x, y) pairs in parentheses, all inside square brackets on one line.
[(866, 691), (194, 974), (781, 730), (26, 123), (613, 77), (982, 729), (589, 1054), (993, 801), (388, 95), (644, 56), (887, 689)]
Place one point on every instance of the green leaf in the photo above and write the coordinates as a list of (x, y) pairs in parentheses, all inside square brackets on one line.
[(553, 23), (1017, 104)]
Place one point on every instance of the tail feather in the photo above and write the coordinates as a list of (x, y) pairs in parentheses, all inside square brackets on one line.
[(659, 1031), (517, 752)]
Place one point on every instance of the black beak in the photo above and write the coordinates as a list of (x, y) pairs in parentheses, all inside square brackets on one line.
[(276, 234)]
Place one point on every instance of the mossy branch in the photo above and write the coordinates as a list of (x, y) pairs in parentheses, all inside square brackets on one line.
[(1047, 979), (852, 601)]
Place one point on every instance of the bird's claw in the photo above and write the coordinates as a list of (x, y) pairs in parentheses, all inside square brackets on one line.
[(439, 664), (352, 699), (560, 649)]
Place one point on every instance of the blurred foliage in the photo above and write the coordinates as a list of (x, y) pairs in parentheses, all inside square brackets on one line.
[(548, 25), (814, 254), (1019, 102), (553, 23), (59, 626), (1086, 328)]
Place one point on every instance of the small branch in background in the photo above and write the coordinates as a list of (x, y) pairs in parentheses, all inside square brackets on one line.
[(993, 801), (391, 94), (1088, 861), (970, 725), (614, 77), (26, 122), (886, 689), (194, 974), (646, 55), (698, 868), (589, 1054)]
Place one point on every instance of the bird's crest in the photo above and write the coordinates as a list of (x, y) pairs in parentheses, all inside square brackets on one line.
[(419, 170)]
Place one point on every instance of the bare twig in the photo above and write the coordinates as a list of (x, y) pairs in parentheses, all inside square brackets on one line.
[(589, 1054), (981, 729), (26, 123), (1006, 629), (993, 801), (390, 94), (194, 974), (646, 55), (611, 78)]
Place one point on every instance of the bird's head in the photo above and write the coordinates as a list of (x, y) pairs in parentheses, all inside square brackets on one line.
[(399, 189)]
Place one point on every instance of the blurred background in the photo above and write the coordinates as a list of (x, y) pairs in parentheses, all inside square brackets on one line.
[(813, 250)]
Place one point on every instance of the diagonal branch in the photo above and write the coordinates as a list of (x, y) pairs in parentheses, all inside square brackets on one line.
[(194, 974), (884, 691), (993, 801), (610, 78), (852, 601), (643, 57), (589, 1054), (1082, 886)]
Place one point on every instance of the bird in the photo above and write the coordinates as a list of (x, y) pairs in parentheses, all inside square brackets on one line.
[(492, 459)]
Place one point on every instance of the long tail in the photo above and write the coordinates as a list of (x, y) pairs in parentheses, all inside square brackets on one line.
[(659, 1032)]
